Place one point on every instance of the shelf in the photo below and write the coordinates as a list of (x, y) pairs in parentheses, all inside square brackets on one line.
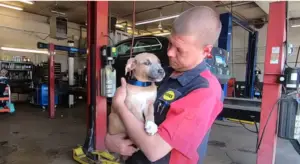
[(4, 61)]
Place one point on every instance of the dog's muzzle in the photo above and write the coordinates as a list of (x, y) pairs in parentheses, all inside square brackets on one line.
[(156, 72)]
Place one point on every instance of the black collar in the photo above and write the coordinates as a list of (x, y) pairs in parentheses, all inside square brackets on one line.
[(139, 83), (189, 75)]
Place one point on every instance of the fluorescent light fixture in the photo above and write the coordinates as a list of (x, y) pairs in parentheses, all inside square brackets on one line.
[(297, 25), (26, 1), (162, 34), (57, 12), (11, 7), (119, 26), (157, 19), (24, 50), (295, 22)]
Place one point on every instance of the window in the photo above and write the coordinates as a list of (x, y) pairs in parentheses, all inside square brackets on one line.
[(146, 45), (141, 45), (124, 48)]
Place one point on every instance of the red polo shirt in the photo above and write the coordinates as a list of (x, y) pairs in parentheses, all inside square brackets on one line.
[(189, 119)]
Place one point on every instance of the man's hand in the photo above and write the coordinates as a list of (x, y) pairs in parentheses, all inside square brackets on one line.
[(118, 144), (120, 95)]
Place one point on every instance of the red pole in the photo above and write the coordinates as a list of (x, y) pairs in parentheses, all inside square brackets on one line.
[(274, 63), (97, 37), (51, 81)]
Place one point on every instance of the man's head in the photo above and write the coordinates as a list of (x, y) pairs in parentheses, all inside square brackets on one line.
[(145, 67), (194, 33)]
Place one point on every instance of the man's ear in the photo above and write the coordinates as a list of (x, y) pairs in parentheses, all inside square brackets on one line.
[(207, 50), (131, 64)]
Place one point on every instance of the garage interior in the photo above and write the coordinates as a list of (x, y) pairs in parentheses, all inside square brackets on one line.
[(40, 38)]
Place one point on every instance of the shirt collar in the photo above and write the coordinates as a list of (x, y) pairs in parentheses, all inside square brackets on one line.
[(189, 75)]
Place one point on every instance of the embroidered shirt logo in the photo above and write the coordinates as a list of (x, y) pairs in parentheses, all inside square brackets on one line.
[(169, 95)]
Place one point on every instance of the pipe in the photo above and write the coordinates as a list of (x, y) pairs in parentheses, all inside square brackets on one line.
[(234, 4), (159, 7)]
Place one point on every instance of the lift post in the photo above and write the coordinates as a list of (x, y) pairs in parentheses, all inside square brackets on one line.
[(274, 64), (97, 37), (224, 41), (51, 81)]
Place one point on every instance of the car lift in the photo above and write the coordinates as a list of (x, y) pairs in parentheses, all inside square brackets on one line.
[(224, 42), (236, 108), (93, 150), (71, 54)]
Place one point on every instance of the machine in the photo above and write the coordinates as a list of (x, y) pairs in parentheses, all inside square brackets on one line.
[(289, 111), (6, 106)]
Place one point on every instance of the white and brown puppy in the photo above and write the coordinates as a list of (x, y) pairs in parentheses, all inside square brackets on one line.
[(146, 70)]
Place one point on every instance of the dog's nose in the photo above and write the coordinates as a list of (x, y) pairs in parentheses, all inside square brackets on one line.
[(161, 71)]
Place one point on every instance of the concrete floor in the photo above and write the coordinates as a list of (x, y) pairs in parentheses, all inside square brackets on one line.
[(30, 137)]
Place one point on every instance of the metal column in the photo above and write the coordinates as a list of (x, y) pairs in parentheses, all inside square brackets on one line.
[(274, 63), (251, 64), (97, 37), (225, 38), (51, 81), (71, 56)]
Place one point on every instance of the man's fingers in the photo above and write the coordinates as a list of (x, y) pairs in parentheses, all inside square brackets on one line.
[(129, 151), (128, 142), (123, 82), (122, 135)]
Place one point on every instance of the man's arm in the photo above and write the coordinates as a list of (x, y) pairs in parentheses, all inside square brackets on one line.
[(154, 147), (186, 125)]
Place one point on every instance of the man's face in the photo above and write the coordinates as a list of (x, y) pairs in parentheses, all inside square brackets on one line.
[(185, 52)]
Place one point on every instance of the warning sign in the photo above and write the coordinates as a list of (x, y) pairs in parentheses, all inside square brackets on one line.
[(275, 55)]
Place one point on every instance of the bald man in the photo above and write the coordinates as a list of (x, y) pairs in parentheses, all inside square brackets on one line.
[(189, 99)]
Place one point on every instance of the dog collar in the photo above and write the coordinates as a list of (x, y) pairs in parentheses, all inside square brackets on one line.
[(139, 83)]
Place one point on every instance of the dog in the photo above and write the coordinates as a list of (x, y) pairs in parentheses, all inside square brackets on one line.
[(141, 92)]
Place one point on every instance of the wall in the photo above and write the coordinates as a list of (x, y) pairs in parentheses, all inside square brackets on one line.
[(23, 30), (239, 50)]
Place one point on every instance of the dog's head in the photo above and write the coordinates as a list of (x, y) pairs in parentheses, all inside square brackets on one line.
[(145, 67)]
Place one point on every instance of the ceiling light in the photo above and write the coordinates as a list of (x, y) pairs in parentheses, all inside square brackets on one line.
[(162, 34), (11, 7), (157, 19), (26, 1), (295, 22), (297, 25), (119, 26), (24, 50)]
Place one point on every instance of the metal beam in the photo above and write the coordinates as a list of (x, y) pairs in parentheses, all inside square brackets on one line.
[(51, 82), (264, 5), (274, 64), (97, 107), (224, 41)]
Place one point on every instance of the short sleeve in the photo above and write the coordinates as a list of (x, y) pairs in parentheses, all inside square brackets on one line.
[(188, 121)]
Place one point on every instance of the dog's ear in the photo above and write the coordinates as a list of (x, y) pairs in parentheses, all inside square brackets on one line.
[(131, 64)]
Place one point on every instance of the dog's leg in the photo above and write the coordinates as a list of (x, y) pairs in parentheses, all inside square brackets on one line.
[(150, 126)]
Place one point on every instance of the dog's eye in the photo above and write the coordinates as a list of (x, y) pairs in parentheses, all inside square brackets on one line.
[(148, 62)]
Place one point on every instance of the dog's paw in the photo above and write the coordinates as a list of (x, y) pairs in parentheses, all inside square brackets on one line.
[(151, 128)]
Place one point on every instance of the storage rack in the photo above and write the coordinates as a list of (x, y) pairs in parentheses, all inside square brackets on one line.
[(19, 78), (45, 71)]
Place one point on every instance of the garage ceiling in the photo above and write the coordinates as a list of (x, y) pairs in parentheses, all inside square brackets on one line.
[(76, 12)]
